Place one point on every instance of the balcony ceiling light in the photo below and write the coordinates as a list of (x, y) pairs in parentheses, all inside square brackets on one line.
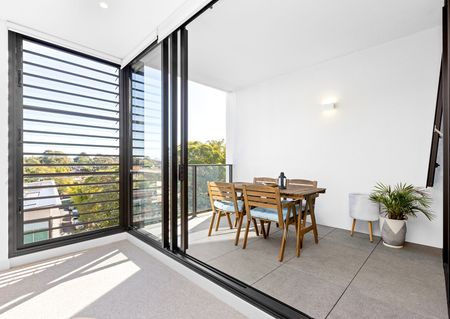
[(103, 5)]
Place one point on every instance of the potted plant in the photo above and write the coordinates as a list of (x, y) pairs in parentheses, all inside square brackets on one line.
[(397, 204)]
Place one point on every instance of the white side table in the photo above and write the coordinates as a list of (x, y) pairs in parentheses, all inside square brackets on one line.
[(362, 208)]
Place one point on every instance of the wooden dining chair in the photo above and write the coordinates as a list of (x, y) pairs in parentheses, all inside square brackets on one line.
[(264, 180), (225, 202), (264, 203), (304, 209), (301, 182)]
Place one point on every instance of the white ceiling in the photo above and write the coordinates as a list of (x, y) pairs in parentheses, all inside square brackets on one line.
[(115, 31), (239, 43)]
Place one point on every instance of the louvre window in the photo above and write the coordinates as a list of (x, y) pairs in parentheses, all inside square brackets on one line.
[(69, 117)]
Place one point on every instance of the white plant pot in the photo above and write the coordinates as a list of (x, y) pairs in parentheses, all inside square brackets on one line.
[(393, 232)]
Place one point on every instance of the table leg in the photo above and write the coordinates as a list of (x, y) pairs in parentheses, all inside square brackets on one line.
[(256, 226), (263, 229), (229, 220), (310, 203), (239, 227), (247, 228), (299, 232), (303, 221)]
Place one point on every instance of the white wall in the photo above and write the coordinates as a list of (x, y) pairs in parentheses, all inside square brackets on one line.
[(380, 131)]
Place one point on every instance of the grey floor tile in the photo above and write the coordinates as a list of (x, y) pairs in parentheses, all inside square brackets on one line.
[(357, 241), (419, 254), (322, 230), (247, 265), (271, 245), (415, 263), (356, 304), (331, 261), (311, 295), (207, 248), (403, 282)]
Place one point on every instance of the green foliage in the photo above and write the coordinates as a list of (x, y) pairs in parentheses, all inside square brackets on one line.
[(211, 152), (402, 201), (107, 210)]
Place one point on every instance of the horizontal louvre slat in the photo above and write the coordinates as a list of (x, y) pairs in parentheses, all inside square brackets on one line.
[(69, 154), (69, 195), (49, 110), (70, 144), (72, 124), (70, 225), (74, 205), (71, 215), (69, 185), (69, 63), (70, 73), (69, 93), (69, 83), (72, 164), (70, 103), (71, 121), (71, 134), (70, 174)]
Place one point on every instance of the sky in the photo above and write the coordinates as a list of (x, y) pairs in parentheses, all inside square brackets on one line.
[(207, 113)]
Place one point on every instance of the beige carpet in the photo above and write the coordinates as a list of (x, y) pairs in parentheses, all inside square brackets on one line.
[(114, 281)]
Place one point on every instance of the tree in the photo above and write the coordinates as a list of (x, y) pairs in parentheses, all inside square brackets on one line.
[(211, 152)]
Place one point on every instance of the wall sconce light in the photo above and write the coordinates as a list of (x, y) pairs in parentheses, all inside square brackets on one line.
[(328, 107)]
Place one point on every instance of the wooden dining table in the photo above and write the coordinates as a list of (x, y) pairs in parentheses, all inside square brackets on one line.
[(297, 193)]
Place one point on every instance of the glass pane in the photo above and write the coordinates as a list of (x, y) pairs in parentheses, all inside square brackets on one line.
[(205, 174), (146, 110)]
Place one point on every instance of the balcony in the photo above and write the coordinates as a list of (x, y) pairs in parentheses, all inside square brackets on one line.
[(117, 122), (330, 279)]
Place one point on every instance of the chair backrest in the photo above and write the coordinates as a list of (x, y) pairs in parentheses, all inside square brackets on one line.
[(222, 192), (264, 197), (264, 180), (301, 182)]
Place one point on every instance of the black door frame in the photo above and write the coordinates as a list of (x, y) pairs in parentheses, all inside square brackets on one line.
[(446, 136), (176, 64), (166, 141), (255, 297)]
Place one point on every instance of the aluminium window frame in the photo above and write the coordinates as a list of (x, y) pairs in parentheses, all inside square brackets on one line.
[(15, 154), (267, 303), (176, 249), (165, 240), (446, 138)]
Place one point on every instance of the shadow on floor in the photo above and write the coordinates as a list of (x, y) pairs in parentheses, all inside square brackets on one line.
[(113, 281)]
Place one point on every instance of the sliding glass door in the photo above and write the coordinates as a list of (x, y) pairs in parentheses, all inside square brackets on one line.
[(158, 126), (147, 143)]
